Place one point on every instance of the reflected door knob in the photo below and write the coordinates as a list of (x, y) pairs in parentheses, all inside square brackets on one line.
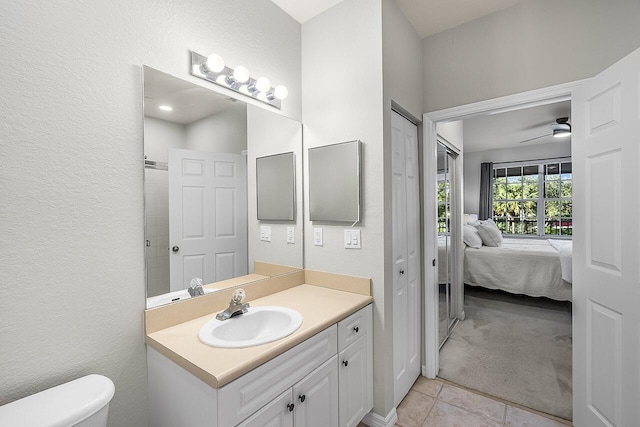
[(175, 248)]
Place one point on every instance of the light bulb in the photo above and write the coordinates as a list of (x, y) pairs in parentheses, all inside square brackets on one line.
[(281, 92), (215, 63), (165, 108), (263, 84), (241, 74)]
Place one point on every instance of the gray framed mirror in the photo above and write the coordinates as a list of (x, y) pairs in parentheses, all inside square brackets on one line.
[(276, 187), (334, 182), (200, 148)]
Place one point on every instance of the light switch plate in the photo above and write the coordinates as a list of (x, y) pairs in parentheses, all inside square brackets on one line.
[(352, 239), (291, 233), (317, 236), (265, 233)]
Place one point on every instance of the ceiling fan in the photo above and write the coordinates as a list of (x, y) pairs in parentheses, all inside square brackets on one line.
[(561, 128)]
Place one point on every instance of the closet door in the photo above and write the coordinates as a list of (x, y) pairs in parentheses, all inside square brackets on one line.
[(406, 255), (446, 192)]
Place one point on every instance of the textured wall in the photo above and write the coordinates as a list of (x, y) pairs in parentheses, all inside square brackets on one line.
[(342, 86), (72, 268), (531, 45), (269, 134), (402, 87), (224, 132)]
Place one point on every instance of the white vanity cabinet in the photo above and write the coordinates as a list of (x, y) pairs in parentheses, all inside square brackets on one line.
[(355, 346), (325, 381), (312, 402)]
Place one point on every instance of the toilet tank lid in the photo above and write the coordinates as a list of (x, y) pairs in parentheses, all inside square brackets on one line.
[(63, 405)]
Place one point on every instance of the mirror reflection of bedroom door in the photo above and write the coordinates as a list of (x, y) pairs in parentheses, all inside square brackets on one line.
[(445, 194)]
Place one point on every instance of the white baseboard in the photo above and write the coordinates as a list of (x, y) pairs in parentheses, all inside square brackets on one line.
[(374, 420)]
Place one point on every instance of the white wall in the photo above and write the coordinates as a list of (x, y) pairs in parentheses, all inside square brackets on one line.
[(531, 45), (72, 276), (160, 136), (402, 89), (453, 132), (343, 101), (270, 134), (473, 160), (224, 132)]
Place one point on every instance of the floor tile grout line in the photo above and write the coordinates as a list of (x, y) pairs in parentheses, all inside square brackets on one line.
[(509, 403), (474, 412)]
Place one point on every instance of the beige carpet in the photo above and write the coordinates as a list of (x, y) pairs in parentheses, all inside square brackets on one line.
[(516, 348)]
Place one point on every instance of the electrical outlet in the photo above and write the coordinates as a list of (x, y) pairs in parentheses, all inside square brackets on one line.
[(265, 233), (317, 236), (291, 235)]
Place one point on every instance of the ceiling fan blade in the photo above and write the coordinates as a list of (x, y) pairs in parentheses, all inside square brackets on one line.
[(533, 139), (536, 125)]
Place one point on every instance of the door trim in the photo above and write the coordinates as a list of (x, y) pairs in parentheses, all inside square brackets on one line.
[(544, 96)]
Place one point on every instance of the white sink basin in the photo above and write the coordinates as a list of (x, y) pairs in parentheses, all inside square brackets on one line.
[(260, 325)]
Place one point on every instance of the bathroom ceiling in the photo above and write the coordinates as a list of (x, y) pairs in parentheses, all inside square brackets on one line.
[(504, 130), (427, 16), (189, 102)]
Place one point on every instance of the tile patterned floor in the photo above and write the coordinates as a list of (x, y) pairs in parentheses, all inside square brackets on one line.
[(435, 403)]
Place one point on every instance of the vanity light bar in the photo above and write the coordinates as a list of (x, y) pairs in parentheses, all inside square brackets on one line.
[(237, 79)]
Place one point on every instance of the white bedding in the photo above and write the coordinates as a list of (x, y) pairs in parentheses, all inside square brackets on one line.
[(520, 266)]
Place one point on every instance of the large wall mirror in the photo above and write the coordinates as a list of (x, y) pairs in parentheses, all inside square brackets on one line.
[(200, 150)]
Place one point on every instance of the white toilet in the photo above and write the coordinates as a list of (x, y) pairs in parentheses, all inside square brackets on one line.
[(80, 403)]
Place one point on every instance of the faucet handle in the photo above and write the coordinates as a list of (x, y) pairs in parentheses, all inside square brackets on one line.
[(238, 296), (195, 287)]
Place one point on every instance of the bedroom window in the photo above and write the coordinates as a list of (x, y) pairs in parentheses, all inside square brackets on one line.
[(533, 199)]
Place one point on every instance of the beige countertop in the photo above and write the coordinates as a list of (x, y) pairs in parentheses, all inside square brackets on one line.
[(320, 307)]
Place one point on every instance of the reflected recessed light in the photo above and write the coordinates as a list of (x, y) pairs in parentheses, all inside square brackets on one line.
[(165, 108)]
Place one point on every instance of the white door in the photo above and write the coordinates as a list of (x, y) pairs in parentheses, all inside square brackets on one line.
[(316, 397), (606, 259), (406, 254), (207, 216)]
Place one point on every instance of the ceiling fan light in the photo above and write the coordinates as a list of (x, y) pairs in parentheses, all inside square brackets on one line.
[(561, 133)]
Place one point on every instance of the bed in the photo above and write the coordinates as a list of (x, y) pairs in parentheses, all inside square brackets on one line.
[(531, 267)]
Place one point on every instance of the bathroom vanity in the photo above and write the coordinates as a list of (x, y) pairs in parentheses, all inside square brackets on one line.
[(320, 375)]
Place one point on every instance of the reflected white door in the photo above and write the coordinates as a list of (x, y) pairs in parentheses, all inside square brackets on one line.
[(606, 259), (207, 216), (406, 255)]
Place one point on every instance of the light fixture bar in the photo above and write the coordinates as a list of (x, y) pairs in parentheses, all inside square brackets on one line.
[(225, 78)]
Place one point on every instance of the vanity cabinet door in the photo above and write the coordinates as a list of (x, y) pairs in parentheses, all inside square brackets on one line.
[(277, 413), (355, 371), (316, 397), (354, 382)]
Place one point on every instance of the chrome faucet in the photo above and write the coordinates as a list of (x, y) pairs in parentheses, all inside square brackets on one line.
[(236, 306), (195, 287)]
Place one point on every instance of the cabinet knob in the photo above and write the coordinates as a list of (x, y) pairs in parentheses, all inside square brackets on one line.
[(290, 407), (356, 329), (401, 272), (345, 363), (175, 248), (302, 397)]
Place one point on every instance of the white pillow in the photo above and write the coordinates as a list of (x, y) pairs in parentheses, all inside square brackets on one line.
[(471, 237), (490, 234)]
